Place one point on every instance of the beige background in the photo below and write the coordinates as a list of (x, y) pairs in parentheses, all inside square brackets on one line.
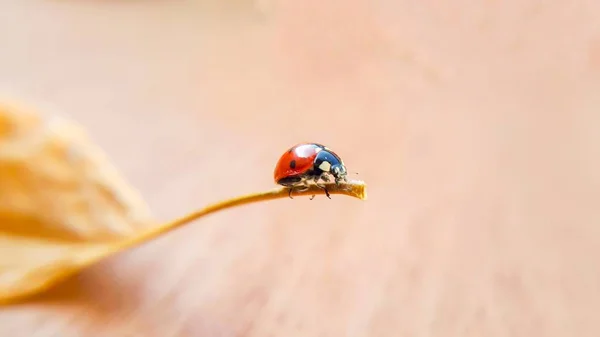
[(475, 125)]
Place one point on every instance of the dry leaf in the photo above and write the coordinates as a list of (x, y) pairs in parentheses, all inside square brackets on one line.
[(62, 205)]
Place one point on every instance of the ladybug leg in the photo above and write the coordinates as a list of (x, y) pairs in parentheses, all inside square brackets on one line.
[(339, 180), (326, 191), (311, 197), (303, 186), (316, 179), (326, 179), (300, 187)]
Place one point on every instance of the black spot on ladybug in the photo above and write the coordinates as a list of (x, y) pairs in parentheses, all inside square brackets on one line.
[(293, 164)]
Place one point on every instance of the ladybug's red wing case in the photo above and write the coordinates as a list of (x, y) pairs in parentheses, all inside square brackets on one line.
[(296, 161)]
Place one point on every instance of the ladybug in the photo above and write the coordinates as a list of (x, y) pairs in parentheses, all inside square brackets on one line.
[(308, 162)]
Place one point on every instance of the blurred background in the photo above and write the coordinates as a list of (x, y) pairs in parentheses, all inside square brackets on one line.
[(474, 124)]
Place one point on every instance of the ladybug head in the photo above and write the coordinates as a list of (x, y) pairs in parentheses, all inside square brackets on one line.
[(339, 172)]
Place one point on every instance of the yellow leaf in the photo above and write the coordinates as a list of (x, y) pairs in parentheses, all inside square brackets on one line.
[(61, 202), (63, 206)]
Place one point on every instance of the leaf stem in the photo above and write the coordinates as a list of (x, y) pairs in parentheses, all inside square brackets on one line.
[(352, 188)]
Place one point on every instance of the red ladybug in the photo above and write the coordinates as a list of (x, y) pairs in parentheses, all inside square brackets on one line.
[(308, 162)]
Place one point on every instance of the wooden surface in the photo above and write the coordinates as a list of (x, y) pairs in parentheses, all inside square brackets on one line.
[(474, 124)]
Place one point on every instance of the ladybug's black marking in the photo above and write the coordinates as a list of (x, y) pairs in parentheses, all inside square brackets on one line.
[(336, 169), (293, 164), (328, 157)]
